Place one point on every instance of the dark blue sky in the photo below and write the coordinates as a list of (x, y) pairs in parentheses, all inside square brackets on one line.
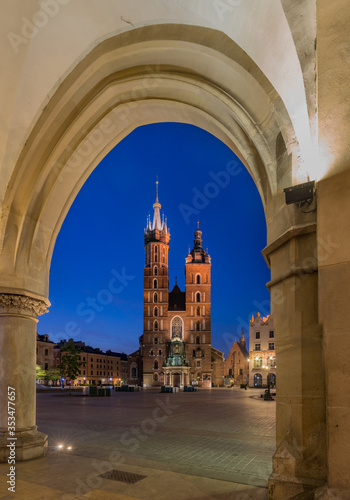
[(96, 281)]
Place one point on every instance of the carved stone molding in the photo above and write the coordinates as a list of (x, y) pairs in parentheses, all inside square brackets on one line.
[(21, 305)]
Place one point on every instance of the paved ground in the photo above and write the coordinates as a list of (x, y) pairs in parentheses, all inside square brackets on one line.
[(212, 444)]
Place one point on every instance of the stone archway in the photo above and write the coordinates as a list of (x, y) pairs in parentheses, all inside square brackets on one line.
[(262, 105)]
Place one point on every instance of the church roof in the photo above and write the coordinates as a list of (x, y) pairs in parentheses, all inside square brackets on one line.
[(177, 299)]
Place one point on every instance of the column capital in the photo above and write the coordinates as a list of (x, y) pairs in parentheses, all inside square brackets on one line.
[(22, 305)]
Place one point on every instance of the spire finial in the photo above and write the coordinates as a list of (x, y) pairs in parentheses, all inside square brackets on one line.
[(156, 188), (175, 280), (197, 224)]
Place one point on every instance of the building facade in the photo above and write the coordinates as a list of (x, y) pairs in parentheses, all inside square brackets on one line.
[(262, 353), (45, 352), (98, 367), (176, 347), (217, 368), (237, 363)]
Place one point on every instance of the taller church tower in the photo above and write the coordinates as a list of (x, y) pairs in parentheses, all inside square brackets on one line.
[(176, 340), (155, 295)]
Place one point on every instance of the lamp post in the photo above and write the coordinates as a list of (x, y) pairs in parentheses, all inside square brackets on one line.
[(268, 396)]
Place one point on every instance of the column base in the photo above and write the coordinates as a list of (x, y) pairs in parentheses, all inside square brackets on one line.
[(29, 444), (325, 493), (288, 488)]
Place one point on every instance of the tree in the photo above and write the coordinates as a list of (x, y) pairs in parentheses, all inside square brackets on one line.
[(53, 373), (70, 361), (40, 373)]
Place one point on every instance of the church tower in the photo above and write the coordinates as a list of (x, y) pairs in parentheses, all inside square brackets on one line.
[(198, 309), (156, 296), (176, 340)]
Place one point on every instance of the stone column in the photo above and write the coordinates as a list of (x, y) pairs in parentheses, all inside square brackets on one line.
[(18, 319), (299, 464)]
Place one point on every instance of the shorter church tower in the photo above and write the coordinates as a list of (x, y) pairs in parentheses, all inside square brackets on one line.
[(198, 308)]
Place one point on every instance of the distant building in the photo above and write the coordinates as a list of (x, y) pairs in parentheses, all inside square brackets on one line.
[(45, 352), (262, 353), (237, 363), (98, 368), (176, 347), (217, 368)]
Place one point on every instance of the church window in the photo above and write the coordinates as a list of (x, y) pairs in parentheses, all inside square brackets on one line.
[(198, 326), (198, 340), (198, 297), (156, 325), (156, 311), (151, 353), (159, 352), (133, 373), (155, 297), (156, 271), (194, 353), (198, 311), (156, 365), (156, 340), (155, 283), (156, 376), (176, 327), (198, 279)]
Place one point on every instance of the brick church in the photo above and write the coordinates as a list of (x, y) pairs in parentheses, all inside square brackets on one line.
[(175, 348)]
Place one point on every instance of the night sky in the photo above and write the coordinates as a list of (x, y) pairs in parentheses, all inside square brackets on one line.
[(96, 280)]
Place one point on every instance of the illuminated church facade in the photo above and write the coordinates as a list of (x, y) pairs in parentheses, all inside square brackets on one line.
[(176, 341)]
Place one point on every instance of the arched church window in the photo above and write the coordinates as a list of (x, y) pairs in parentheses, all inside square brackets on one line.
[(156, 271), (198, 326), (156, 365), (156, 326), (198, 340), (198, 311), (155, 297), (198, 279), (176, 327), (198, 297), (155, 283), (156, 311)]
